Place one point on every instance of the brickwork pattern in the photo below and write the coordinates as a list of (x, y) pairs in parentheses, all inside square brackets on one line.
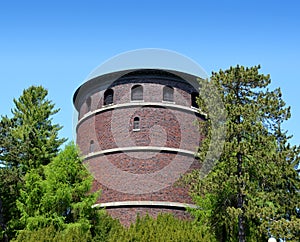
[(159, 127), (173, 193), (153, 90)]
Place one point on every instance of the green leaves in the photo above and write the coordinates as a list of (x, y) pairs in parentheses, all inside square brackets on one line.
[(164, 228), (28, 140), (59, 195), (254, 179)]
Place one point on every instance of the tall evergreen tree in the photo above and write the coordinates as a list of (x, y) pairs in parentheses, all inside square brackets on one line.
[(60, 197), (28, 140), (254, 186)]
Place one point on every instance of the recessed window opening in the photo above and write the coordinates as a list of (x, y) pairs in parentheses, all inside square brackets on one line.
[(194, 96), (136, 124), (108, 97), (168, 94), (92, 146), (88, 104), (137, 93)]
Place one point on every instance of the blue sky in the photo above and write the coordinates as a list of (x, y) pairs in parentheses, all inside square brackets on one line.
[(58, 43)]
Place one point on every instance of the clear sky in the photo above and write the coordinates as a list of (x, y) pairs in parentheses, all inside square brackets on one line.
[(58, 43)]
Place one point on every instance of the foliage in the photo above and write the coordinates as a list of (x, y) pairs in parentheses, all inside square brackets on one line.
[(52, 234), (101, 232), (28, 140), (9, 190), (60, 195), (164, 228), (56, 204), (254, 185)]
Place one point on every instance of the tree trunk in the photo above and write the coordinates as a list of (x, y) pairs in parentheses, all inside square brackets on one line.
[(240, 198), (240, 202)]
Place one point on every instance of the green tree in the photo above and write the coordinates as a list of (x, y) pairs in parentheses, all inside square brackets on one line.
[(60, 196), (9, 189), (103, 232), (28, 140), (254, 185), (164, 228)]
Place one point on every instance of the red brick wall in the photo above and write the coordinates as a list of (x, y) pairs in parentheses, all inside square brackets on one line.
[(159, 127), (173, 193)]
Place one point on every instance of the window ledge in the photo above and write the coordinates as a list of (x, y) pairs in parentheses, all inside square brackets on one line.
[(171, 102), (107, 105)]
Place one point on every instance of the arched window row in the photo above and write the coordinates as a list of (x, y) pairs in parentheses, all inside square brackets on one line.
[(138, 95)]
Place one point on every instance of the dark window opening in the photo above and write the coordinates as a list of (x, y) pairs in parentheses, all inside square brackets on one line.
[(92, 146), (168, 94), (136, 123), (88, 104), (108, 97), (194, 97), (137, 93)]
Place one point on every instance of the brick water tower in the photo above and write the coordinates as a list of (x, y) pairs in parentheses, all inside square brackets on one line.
[(136, 130)]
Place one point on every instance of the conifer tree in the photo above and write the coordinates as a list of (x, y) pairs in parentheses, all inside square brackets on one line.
[(254, 185), (164, 228), (28, 140), (60, 197)]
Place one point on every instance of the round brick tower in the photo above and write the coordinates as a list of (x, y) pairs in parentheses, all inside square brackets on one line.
[(136, 129)]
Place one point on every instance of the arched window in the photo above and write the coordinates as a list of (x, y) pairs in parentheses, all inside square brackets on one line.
[(168, 94), (194, 96), (92, 146), (108, 97), (137, 93), (88, 104), (136, 124)]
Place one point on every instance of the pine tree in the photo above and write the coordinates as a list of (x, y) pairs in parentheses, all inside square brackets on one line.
[(254, 185), (28, 140), (60, 197)]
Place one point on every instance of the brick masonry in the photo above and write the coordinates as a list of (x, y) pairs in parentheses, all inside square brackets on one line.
[(159, 127)]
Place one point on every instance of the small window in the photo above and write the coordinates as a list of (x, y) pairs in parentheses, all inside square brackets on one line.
[(168, 94), (194, 96), (92, 146), (136, 124), (88, 104), (108, 97), (137, 93)]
